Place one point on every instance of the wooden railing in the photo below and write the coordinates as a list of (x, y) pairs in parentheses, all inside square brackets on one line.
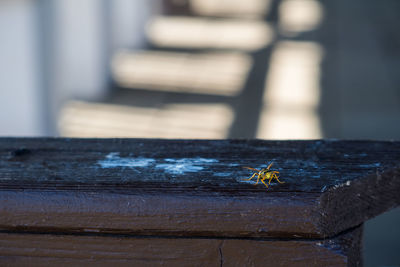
[(188, 203)]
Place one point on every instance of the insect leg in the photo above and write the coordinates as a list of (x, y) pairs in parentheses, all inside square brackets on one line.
[(276, 178), (262, 180), (251, 177), (272, 176)]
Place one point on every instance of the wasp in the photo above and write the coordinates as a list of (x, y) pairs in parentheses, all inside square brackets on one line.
[(265, 174)]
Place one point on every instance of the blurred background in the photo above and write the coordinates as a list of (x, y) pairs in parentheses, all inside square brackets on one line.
[(269, 69)]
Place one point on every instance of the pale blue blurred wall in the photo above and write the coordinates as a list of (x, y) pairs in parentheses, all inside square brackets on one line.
[(20, 92), (53, 51)]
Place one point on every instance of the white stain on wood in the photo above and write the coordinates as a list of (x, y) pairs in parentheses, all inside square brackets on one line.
[(172, 166), (180, 166), (113, 160)]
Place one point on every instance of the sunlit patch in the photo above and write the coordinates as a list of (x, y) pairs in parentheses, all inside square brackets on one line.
[(190, 32), (219, 73), (299, 15), (231, 8), (293, 78), (292, 92), (282, 124), (201, 121)]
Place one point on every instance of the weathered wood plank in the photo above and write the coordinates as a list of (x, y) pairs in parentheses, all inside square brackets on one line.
[(343, 250), (67, 250), (71, 250), (152, 214), (306, 166), (186, 187)]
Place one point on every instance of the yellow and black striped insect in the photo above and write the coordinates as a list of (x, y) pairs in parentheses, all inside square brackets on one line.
[(265, 174)]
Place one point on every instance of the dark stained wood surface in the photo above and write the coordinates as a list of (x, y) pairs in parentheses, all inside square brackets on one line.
[(187, 187), (92, 250)]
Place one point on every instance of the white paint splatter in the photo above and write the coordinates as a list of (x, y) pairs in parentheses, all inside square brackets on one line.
[(113, 160), (180, 166), (174, 166)]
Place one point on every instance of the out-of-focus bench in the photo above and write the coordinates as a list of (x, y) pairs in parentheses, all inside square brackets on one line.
[(148, 202)]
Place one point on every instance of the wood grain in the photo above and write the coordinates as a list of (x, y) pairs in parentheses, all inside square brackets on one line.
[(67, 250), (194, 188)]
